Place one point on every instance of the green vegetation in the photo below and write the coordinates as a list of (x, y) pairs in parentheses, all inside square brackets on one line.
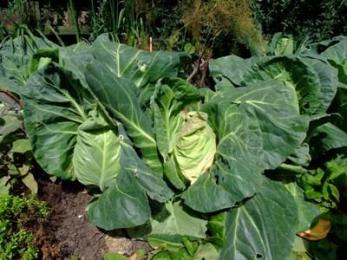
[(207, 28), (184, 167), (19, 59), (17, 216), (309, 19), (229, 159)]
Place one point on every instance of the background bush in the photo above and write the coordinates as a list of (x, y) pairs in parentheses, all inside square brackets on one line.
[(315, 20)]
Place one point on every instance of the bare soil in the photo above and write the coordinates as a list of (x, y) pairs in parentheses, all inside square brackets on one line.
[(67, 233)]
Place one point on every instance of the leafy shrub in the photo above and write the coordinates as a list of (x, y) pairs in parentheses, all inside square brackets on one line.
[(209, 20), (16, 218), (326, 185), (315, 20)]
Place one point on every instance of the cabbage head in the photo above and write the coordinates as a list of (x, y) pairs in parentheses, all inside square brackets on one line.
[(195, 145)]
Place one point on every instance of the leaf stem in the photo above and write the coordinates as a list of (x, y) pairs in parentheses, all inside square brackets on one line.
[(295, 169)]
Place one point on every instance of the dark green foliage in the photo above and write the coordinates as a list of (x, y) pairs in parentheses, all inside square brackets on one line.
[(315, 20), (325, 185)]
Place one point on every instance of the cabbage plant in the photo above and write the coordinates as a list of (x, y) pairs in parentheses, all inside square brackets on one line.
[(191, 170)]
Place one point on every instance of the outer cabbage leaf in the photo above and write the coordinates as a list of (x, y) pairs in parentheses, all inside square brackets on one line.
[(103, 159), (319, 47), (149, 180), (55, 106), (222, 188), (75, 58), (272, 108), (124, 204), (328, 80), (337, 56), (307, 211), (327, 137), (96, 153), (339, 106), (230, 68), (139, 66), (119, 97), (335, 53), (264, 227), (112, 153), (315, 81), (173, 227), (174, 219), (15, 56), (257, 129)]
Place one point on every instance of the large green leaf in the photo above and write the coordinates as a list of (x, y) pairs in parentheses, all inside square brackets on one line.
[(315, 82), (15, 56), (307, 211), (256, 130), (337, 56), (339, 106), (100, 155), (139, 66), (174, 219), (230, 68), (119, 97), (328, 80), (222, 188), (149, 180), (327, 137), (335, 53), (96, 154), (264, 227), (175, 230), (55, 106), (75, 58), (124, 204), (275, 122)]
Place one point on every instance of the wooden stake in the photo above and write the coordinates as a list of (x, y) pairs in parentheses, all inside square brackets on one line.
[(150, 44)]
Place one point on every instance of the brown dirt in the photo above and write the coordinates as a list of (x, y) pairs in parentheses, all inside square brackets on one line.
[(67, 232)]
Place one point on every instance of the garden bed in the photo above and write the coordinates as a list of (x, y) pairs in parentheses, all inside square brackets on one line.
[(67, 233)]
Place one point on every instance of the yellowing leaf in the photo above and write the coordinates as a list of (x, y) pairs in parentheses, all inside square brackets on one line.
[(319, 231), (24, 169), (31, 183)]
